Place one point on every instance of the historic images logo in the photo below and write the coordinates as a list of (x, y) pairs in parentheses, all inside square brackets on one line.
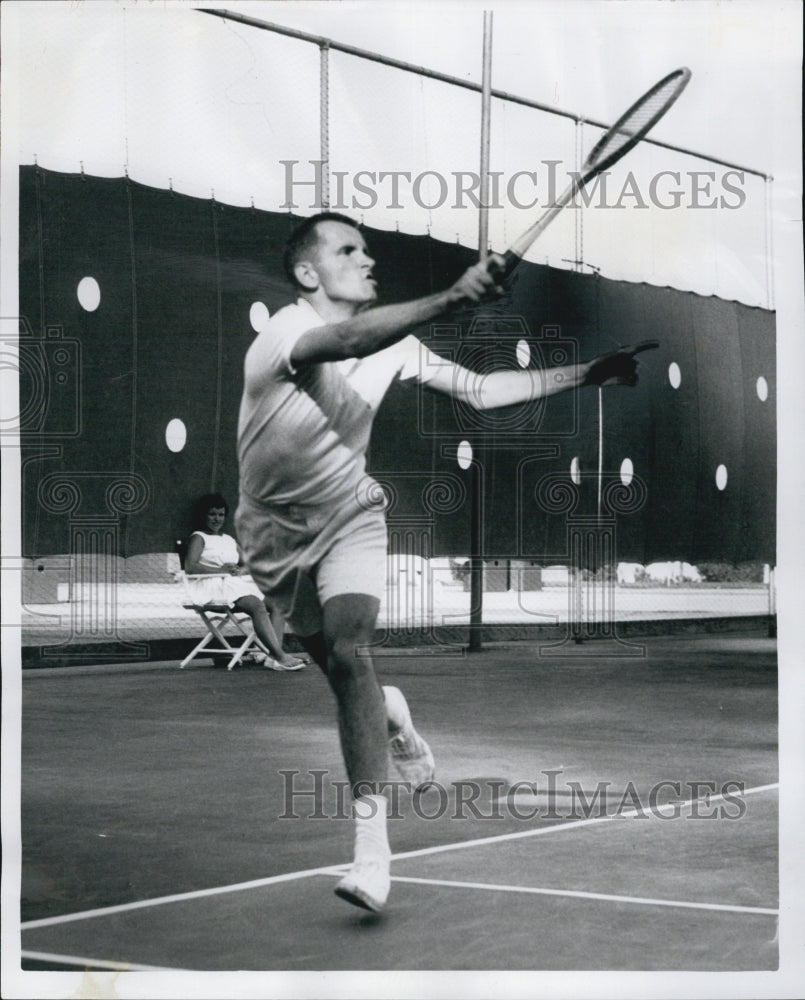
[(524, 189), (551, 796)]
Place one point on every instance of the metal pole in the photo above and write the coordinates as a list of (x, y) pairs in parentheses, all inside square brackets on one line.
[(324, 122), (486, 114), (476, 499)]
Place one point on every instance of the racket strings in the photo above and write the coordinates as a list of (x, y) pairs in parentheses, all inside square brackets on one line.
[(639, 119), (615, 143)]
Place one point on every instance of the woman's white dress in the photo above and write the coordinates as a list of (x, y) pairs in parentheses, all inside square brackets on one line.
[(226, 589)]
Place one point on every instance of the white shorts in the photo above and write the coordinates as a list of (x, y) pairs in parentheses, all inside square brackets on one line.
[(302, 556)]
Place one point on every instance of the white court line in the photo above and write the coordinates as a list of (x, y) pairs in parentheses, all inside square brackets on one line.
[(95, 963), (181, 897), (640, 900), (541, 831), (339, 869)]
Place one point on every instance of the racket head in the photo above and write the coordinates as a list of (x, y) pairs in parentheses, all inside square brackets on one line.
[(634, 124), (628, 130)]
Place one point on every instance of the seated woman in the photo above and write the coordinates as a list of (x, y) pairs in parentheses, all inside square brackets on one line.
[(213, 554)]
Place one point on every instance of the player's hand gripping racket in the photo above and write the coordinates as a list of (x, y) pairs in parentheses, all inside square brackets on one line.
[(624, 135)]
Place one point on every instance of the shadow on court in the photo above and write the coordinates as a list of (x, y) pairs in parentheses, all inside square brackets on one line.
[(610, 809)]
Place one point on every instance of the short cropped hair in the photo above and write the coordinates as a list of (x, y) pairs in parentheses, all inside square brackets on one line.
[(304, 238), (203, 506)]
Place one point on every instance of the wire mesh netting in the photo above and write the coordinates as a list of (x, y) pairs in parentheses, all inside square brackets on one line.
[(142, 599)]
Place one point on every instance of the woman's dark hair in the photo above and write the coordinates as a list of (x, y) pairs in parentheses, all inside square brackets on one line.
[(203, 505)]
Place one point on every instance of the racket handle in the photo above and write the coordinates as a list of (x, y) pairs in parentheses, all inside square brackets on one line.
[(510, 261)]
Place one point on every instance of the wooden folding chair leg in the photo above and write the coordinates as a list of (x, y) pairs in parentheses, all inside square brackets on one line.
[(216, 618), (196, 649)]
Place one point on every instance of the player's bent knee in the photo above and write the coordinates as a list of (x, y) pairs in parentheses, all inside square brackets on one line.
[(348, 654), (348, 661), (350, 617)]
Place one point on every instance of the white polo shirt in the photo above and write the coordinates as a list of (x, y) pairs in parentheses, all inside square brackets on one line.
[(303, 433)]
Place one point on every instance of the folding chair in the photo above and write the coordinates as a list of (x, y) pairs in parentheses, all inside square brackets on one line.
[(217, 618)]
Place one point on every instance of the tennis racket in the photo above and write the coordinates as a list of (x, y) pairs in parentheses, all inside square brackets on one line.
[(624, 135)]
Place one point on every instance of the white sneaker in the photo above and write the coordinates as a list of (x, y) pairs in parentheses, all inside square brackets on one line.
[(368, 881), (412, 757), (410, 754)]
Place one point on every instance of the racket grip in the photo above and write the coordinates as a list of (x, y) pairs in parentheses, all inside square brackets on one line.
[(510, 261)]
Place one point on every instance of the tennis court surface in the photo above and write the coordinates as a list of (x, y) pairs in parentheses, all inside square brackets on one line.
[(611, 807)]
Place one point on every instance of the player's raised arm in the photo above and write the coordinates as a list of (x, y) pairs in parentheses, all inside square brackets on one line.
[(332, 269), (376, 328)]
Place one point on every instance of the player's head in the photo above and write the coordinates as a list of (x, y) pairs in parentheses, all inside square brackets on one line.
[(327, 254), (209, 510)]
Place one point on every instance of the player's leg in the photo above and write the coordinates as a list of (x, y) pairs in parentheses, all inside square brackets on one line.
[(359, 553), (364, 558), (349, 626), (316, 647), (410, 754), (368, 715)]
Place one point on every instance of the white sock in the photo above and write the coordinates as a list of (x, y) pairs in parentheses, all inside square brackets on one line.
[(369, 813), (397, 712)]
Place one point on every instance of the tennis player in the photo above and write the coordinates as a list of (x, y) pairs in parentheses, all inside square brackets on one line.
[(309, 522)]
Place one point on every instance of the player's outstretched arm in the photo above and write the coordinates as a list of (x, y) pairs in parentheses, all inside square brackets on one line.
[(506, 388), (376, 328), (510, 388)]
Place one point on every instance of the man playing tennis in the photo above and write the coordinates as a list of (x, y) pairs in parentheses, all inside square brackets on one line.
[(309, 522)]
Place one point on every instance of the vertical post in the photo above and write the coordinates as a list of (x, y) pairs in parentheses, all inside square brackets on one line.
[(769, 235), (476, 500), (578, 263), (600, 452), (772, 603), (486, 114), (476, 555), (324, 122)]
